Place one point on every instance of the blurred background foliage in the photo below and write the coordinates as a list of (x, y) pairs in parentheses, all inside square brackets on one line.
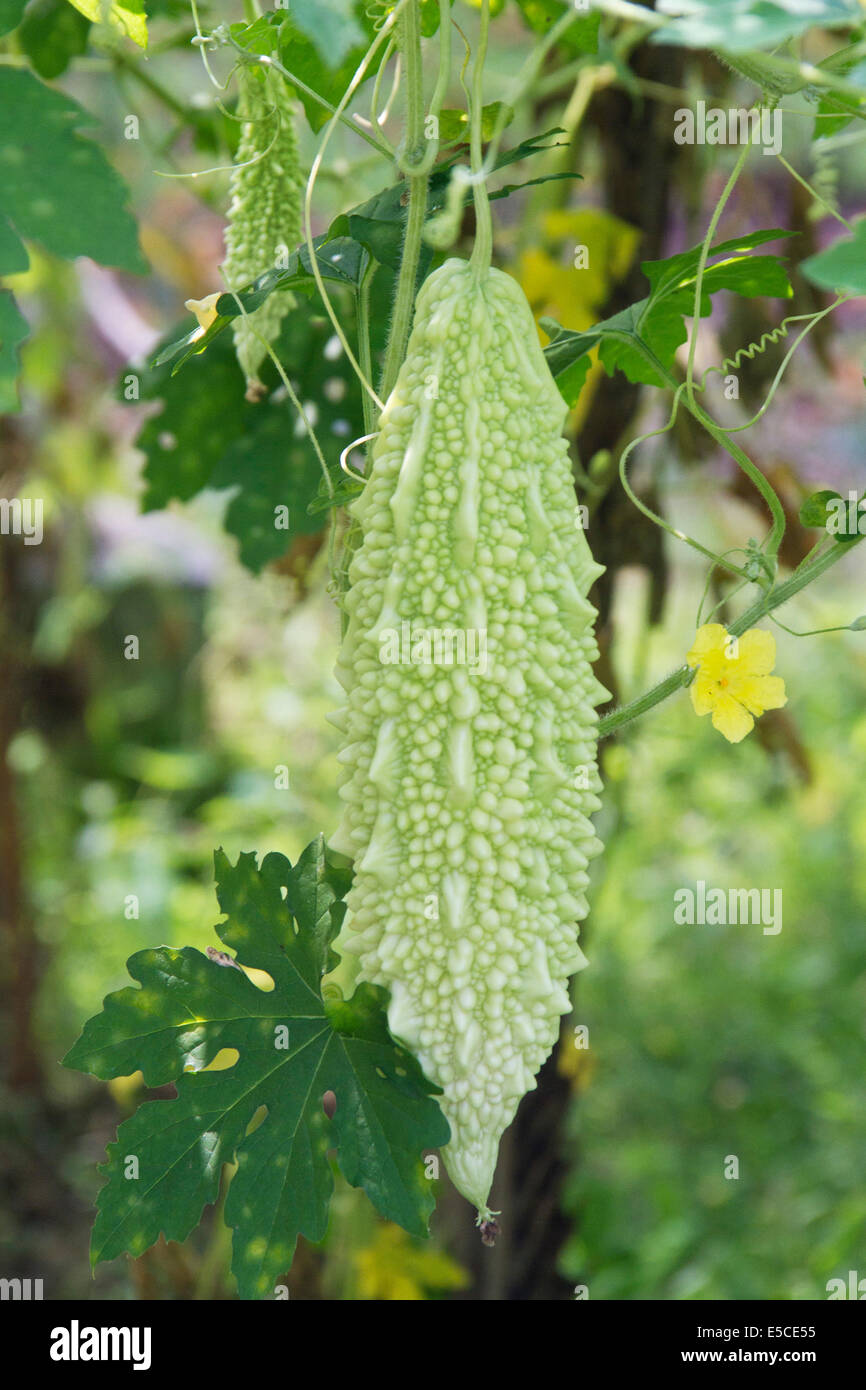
[(120, 777)]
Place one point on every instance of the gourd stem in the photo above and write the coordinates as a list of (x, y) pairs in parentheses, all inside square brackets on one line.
[(416, 213), (365, 356), (483, 248)]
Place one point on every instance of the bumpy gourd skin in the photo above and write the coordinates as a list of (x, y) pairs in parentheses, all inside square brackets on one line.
[(265, 211), (467, 794)]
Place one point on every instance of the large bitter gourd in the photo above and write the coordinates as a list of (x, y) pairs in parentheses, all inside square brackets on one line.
[(264, 219), (468, 786)]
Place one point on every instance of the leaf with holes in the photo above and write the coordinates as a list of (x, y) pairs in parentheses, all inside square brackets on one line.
[(209, 435), (293, 1046)]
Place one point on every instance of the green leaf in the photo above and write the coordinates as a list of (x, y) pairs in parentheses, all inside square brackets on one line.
[(740, 25), (57, 188), (842, 266), (379, 223), (340, 261), (454, 124), (13, 253), (10, 14), (209, 435), (331, 27), (51, 34), (813, 512), (582, 37), (301, 56), (842, 518), (658, 322), (345, 490), (293, 1046), (14, 328)]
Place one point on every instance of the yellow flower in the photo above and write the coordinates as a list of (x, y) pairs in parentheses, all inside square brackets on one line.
[(733, 681), (204, 310)]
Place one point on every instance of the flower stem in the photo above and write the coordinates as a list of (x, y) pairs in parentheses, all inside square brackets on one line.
[(762, 606)]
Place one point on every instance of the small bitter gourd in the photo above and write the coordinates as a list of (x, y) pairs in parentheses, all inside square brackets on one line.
[(264, 218), (468, 786)]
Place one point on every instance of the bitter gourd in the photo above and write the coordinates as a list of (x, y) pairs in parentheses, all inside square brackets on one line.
[(468, 784), (264, 219)]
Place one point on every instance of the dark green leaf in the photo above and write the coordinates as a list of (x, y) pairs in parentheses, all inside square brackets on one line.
[(10, 14), (293, 1047), (14, 328), (52, 33), (13, 252), (57, 188), (658, 322), (209, 435)]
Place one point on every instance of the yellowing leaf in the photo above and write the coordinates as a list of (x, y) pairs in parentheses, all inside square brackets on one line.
[(130, 19), (392, 1269)]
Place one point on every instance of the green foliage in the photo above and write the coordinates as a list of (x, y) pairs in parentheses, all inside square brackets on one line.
[(10, 14), (582, 37), (741, 25), (13, 330), (707, 1041), (454, 124), (57, 188), (340, 262), (294, 1045), (658, 322), (297, 39), (331, 27), (209, 435), (379, 224), (376, 228), (826, 509), (52, 33), (842, 266)]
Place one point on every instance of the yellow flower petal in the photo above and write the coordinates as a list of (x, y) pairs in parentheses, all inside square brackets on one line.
[(731, 719), (759, 693), (204, 309), (732, 680), (712, 638), (703, 691), (757, 651)]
